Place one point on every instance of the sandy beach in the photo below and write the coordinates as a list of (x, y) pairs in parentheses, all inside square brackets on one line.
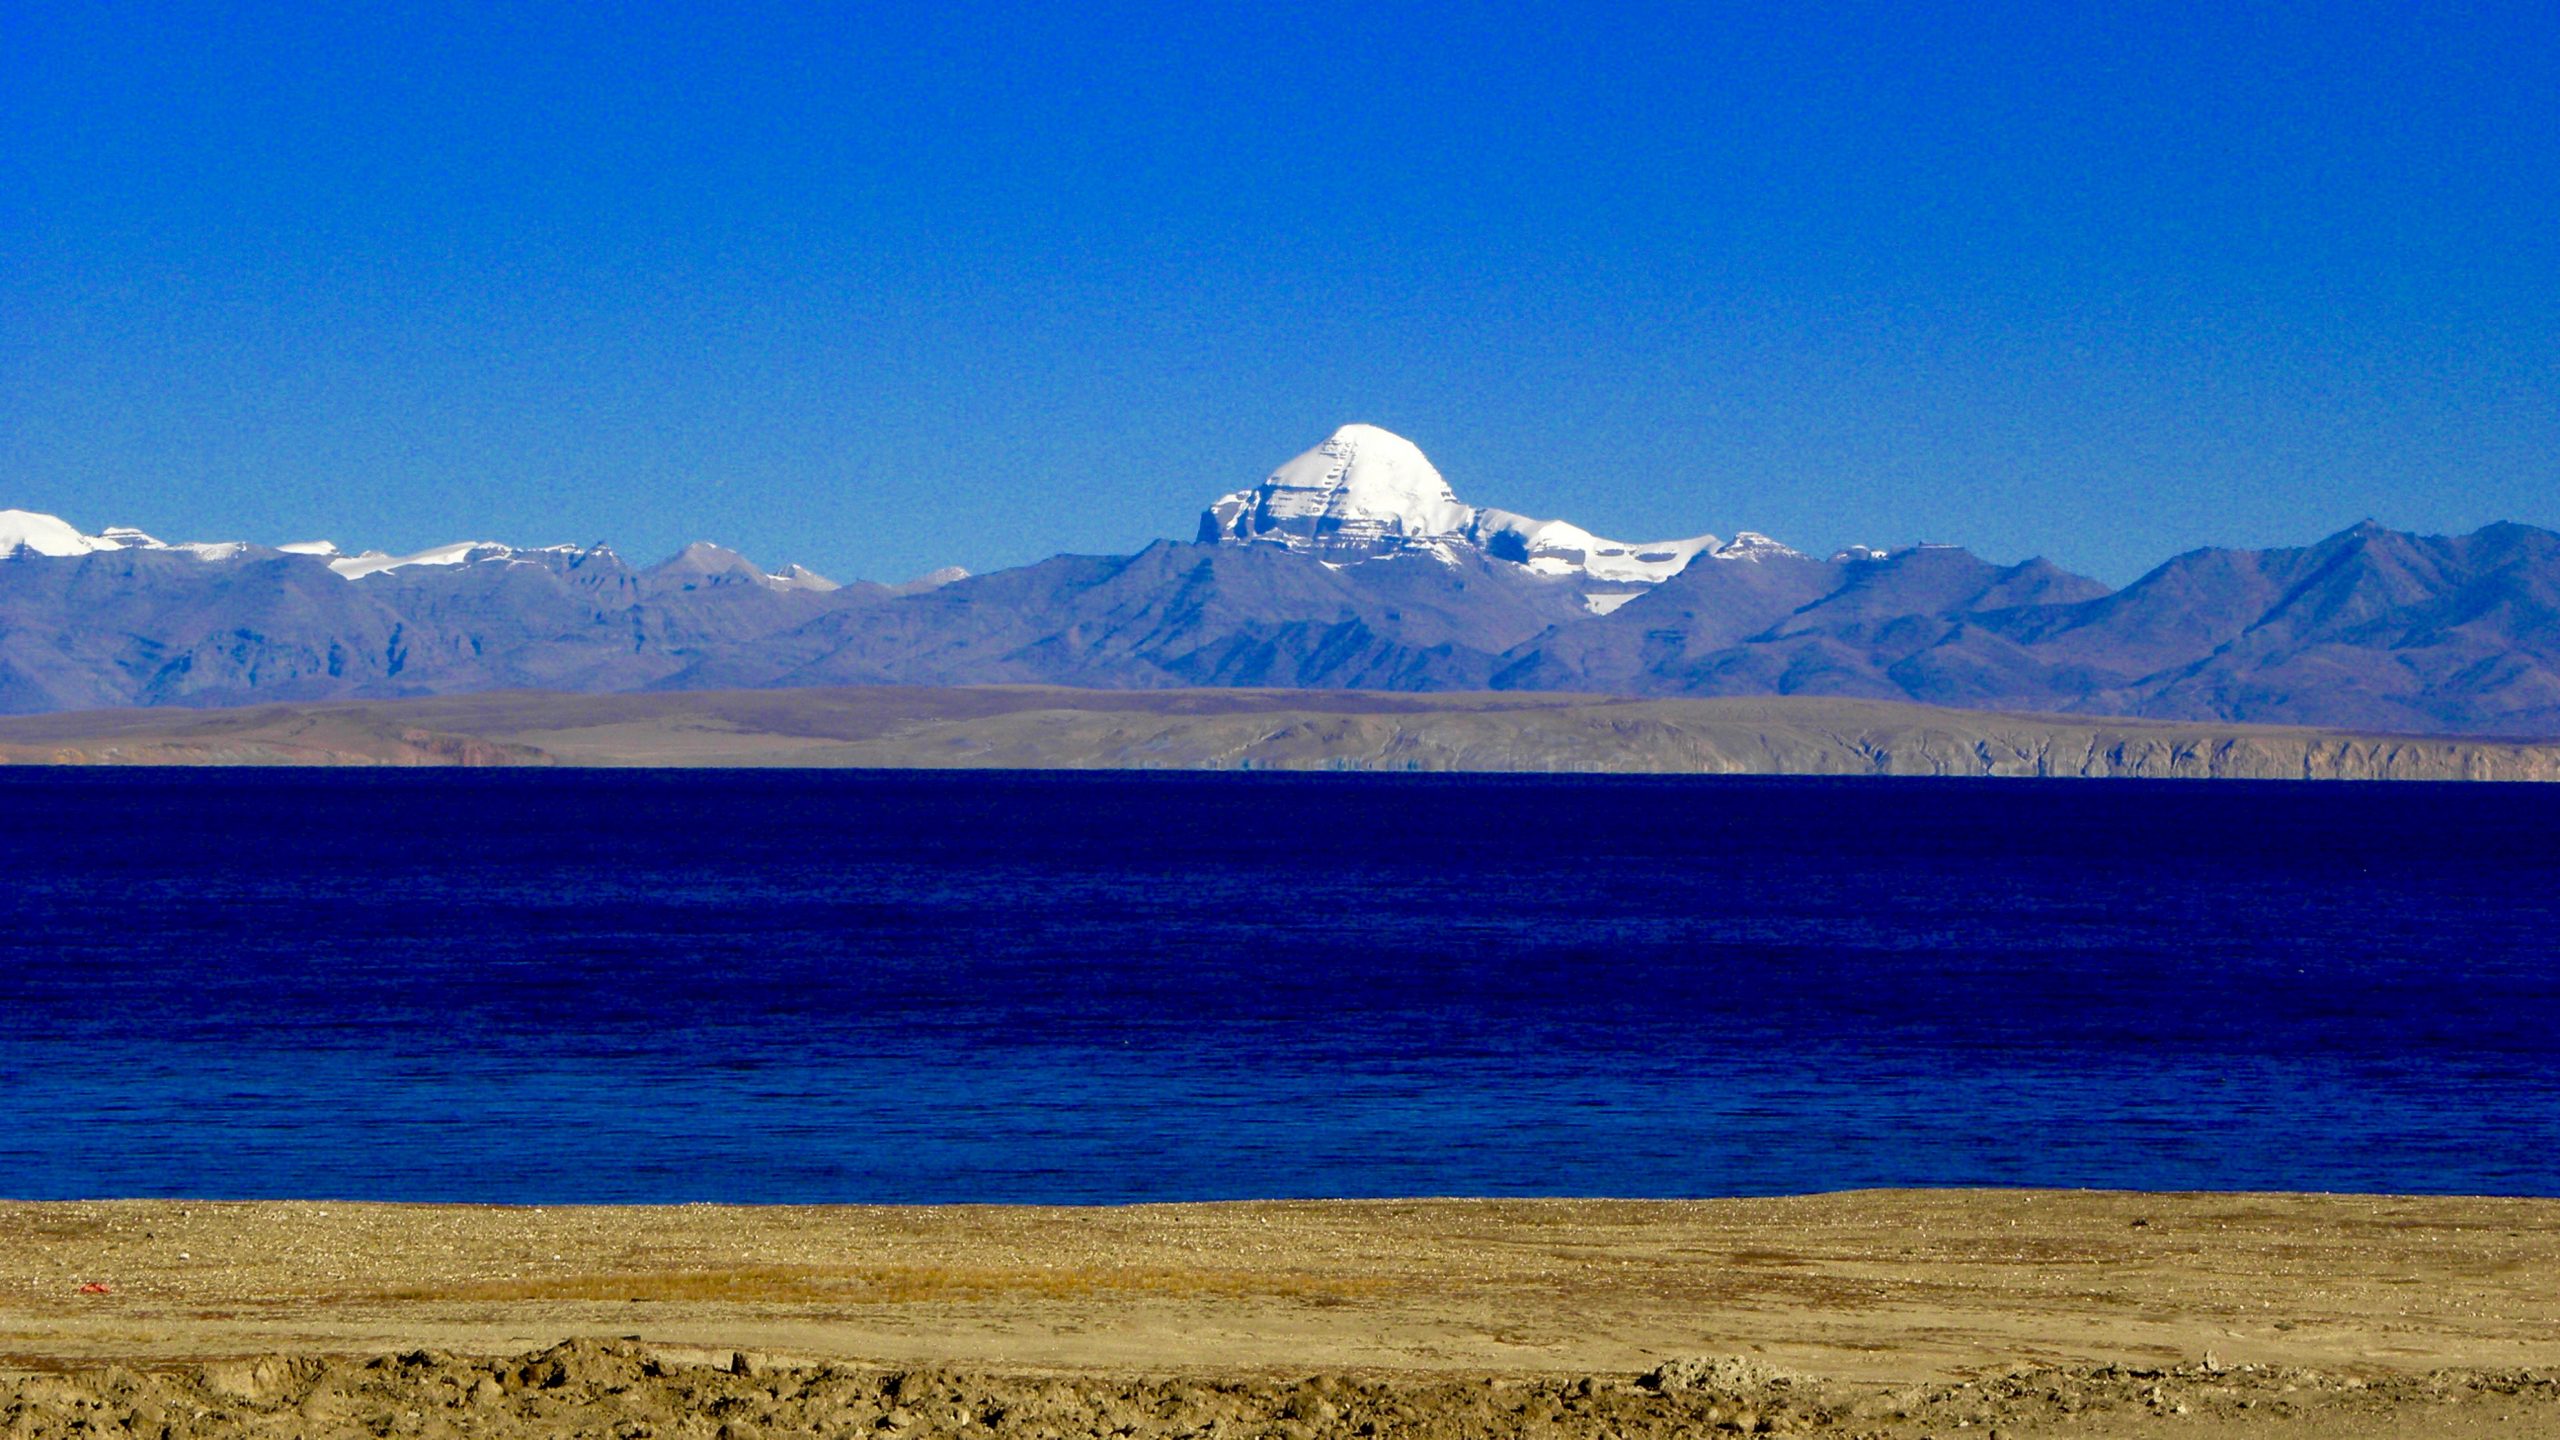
[(1877, 1313)]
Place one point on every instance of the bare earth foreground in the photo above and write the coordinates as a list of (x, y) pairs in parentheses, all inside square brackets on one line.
[(1878, 1314)]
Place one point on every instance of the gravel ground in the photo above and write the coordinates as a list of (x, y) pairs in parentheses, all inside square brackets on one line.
[(1887, 1314)]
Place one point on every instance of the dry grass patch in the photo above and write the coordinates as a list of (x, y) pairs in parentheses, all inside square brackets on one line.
[(896, 1285)]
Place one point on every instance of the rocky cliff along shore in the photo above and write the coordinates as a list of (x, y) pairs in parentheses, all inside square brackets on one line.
[(1049, 728)]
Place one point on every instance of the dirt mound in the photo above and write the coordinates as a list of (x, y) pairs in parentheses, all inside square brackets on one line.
[(262, 1378), (588, 1366)]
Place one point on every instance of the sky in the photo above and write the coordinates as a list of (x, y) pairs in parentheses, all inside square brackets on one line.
[(882, 288)]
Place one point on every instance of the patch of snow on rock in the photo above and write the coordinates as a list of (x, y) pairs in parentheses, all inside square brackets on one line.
[(461, 552), (931, 580), (1752, 545), (1557, 547), (800, 577)]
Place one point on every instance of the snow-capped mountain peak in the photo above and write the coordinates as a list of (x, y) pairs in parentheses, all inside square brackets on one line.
[(800, 577), (1362, 491), (937, 578), (25, 530), (1367, 493), (703, 563)]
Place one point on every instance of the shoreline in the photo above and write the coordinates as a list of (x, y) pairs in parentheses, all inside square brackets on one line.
[(1048, 728)]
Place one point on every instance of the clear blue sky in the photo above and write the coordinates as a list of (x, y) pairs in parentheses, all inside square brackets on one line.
[(878, 288)]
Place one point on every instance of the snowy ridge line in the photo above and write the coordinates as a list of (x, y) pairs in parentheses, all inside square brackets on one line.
[(26, 532), (1361, 494)]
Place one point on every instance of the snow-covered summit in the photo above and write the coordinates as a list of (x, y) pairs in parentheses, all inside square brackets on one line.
[(707, 564), (1367, 493), (937, 578), (1363, 491), (25, 530), (703, 564), (800, 577)]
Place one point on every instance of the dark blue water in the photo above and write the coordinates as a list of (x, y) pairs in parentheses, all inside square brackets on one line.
[(805, 987)]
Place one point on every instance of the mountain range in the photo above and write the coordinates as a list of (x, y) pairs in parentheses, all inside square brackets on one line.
[(1353, 566)]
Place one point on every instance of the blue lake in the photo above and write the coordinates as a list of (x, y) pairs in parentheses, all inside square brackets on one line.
[(667, 986)]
